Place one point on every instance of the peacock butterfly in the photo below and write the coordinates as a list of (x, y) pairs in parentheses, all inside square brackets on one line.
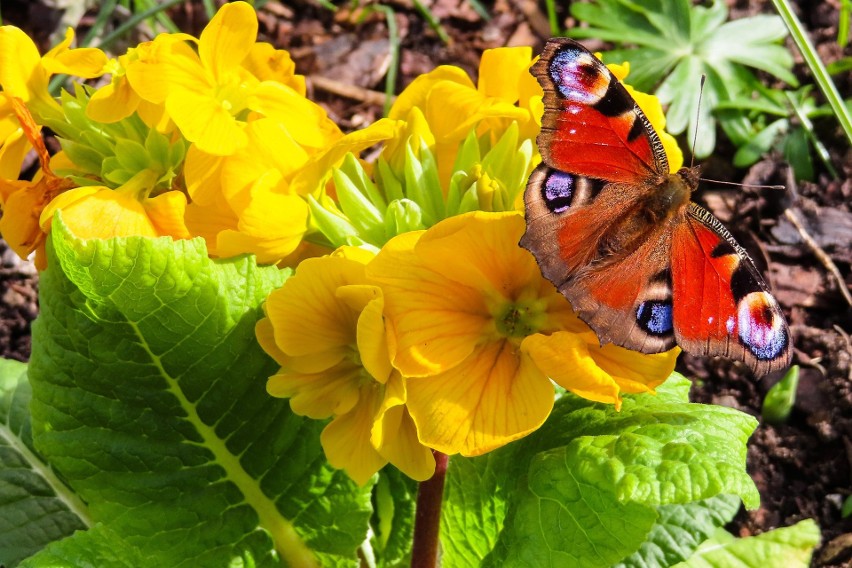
[(617, 234)]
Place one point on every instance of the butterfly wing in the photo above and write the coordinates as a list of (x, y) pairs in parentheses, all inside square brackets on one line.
[(723, 306), (591, 125), (578, 229), (601, 159)]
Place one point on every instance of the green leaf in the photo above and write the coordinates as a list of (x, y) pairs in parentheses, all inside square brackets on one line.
[(35, 506), (780, 399), (846, 510), (394, 497), (149, 399), (760, 143), (680, 529), (560, 520), (594, 486), (476, 497), (788, 547), (797, 152), (98, 546)]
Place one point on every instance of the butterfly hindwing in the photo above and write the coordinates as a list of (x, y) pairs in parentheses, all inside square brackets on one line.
[(571, 223), (591, 125), (723, 305)]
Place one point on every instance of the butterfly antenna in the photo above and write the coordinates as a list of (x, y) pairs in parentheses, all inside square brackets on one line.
[(754, 185), (697, 117)]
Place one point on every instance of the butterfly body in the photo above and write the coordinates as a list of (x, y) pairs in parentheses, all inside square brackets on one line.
[(618, 235)]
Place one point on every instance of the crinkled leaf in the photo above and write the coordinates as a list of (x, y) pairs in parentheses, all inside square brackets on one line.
[(35, 506), (476, 496), (788, 547), (680, 529), (556, 519), (593, 485), (149, 399), (98, 546)]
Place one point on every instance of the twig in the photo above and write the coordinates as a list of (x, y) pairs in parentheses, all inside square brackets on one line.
[(819, 253), (348, 91)]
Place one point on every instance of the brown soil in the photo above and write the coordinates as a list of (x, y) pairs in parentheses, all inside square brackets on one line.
[(803, 468)]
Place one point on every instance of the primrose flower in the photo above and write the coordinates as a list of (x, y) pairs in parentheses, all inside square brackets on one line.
[(22, 202), (97, 212), (480, 333), (505, 93), (253, 200), (13, 142), (25, 74), (203, 92), (325, 328)]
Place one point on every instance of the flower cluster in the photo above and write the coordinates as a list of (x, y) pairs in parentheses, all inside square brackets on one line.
[(427, 328), (208, 136)]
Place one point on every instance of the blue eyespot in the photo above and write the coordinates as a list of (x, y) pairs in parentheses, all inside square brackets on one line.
[(655, 317), (558, 191)]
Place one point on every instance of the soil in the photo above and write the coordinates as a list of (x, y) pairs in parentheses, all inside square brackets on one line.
[(802, 467)]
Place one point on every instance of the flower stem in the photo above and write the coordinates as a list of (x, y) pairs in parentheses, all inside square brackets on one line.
[(427, 519)]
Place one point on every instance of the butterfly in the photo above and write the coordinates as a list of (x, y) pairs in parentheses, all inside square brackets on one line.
[(617, 234)]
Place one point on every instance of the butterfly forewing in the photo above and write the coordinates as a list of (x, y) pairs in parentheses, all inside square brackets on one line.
[(591, 125)]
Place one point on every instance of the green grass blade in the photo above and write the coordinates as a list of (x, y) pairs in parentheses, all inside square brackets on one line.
[(816, 66), (433, 22), (843, 23), (480, 9), (808, 127), (551, 17), (209, 8), (393, 46)]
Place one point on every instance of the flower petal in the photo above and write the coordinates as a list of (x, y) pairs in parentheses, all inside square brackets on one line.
[(204, 121), (371, 336), (500, 71), (21, 73), (438, 323), (565, 358), (166, 212), (307, 315), (634, 372), (346, 440), (394, 434), (495, 396), (318, 395), (227, 39)]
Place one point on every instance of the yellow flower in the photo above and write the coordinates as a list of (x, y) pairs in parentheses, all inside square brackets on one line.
[(325, 328), (25, 75), (118, 100), (13, 143), (23, 201), (204, 92), (94, 212), (479, 331), (252, 201), (452, 105)]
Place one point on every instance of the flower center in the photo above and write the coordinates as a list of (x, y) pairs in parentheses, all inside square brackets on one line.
[(520, 318)]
